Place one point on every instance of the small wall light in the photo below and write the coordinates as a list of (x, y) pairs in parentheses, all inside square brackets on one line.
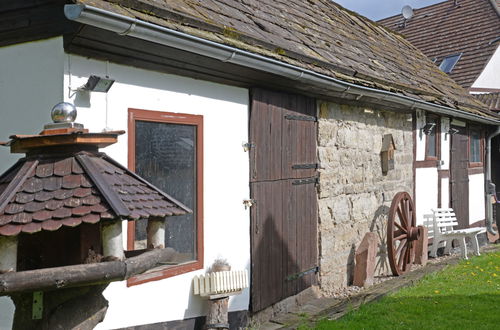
[(427, 129), (452, 131), (97, 84)]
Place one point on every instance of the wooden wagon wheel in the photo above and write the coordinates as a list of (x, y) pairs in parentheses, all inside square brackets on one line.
[(401, 233)]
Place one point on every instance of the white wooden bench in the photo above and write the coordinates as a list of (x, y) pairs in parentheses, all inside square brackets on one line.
[(441, 223)]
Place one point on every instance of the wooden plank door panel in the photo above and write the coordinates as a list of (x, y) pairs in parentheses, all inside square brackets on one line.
[(265, 136), (299, 134), (459, 176), (284, 216), (300, 233), (267, 244)]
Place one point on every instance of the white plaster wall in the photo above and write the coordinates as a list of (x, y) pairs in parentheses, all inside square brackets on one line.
[(490, 77), (445, 144), (421, 137), (226, 231), (31, 81), (426, 191), (476, 198), (445, 192)]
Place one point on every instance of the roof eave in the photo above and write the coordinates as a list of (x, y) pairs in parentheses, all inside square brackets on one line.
[(133, 27)]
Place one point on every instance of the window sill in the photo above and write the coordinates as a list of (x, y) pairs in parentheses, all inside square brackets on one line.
[(165, 271), (426, 163), (476, 164), (475, 170)]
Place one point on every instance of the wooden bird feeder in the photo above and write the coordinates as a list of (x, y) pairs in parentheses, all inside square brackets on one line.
[(61, 212)]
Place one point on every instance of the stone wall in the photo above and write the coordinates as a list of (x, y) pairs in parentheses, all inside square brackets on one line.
[(354, 194)]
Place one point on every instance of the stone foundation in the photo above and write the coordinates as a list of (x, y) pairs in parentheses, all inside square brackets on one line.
[(354, 194)]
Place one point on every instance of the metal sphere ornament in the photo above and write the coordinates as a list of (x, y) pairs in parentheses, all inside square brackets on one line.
[(63, 112)]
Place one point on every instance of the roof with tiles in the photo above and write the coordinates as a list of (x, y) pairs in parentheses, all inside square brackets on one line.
[(47, 191), (492, 100), (471, 28), (318, 35)]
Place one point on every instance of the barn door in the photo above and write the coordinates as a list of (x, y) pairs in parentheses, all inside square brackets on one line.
[(283, 177), (459, 176)]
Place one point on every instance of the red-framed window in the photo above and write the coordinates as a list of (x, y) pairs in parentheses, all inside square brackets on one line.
[(167, 150)]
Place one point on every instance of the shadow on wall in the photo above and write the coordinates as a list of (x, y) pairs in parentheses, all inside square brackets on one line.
[(379, 226), (278, 261), (350, 264)]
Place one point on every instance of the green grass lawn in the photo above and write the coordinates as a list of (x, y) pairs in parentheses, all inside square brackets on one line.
[(464, 296)]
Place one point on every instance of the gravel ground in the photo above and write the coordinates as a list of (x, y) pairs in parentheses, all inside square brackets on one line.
[(349, 291)]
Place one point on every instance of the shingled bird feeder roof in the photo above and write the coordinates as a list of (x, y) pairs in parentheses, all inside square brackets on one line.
[(65, 181), (316, 35)]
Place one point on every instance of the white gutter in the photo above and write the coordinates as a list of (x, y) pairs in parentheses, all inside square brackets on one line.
[(124, 25)]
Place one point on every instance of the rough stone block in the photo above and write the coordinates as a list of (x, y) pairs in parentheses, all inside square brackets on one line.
[(421, 248), (365, 260)]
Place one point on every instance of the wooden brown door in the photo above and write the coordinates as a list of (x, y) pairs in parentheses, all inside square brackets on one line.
[(459, 176), (283, 177)]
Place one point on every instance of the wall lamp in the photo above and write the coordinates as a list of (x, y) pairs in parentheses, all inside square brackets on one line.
[(453, 131), (427, 129), (97, 84)]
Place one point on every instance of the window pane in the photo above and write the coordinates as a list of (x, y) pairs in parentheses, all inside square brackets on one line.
[(475, 147), (449, 63), (431, 144), (166, 156)]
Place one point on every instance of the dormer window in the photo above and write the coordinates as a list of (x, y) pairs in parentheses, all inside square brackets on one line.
[(449, 63)]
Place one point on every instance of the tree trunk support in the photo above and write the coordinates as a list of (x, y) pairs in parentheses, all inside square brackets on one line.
[(8, 254), (112, 240)]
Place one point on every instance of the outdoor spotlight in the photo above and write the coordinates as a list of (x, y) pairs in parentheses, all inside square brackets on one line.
[(97, 84), (427, 129), (452, 131)]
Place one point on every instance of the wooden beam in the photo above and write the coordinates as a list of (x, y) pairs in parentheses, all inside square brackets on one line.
[(82, 275)]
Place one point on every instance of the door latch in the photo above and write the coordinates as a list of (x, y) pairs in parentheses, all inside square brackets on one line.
[(247, 146), (249, 203)]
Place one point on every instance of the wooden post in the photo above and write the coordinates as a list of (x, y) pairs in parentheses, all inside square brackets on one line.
[(217, 317), (112, 240), (156, 233), (8, 254)]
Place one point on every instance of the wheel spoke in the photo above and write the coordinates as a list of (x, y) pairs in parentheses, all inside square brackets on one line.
[(400, 227), (400, 247), (397, 238), (407, 256), (401, 257), (401, 218)]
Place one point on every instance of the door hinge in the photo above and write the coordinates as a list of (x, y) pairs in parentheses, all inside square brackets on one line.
[(298, 117), (315, 269), (305, 166), (305, 181), (249, 203), (247, 146)]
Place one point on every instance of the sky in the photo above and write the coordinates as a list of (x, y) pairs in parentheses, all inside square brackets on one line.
[(378, 9)]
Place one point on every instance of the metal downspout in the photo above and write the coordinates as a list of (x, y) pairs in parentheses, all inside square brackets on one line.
[(490, 190)]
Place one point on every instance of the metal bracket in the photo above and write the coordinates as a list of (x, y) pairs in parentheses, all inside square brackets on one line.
[(302, 118), (315, 269), (37, 311), (305, 181), (305, 166), (249, 203), (247, 146)]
